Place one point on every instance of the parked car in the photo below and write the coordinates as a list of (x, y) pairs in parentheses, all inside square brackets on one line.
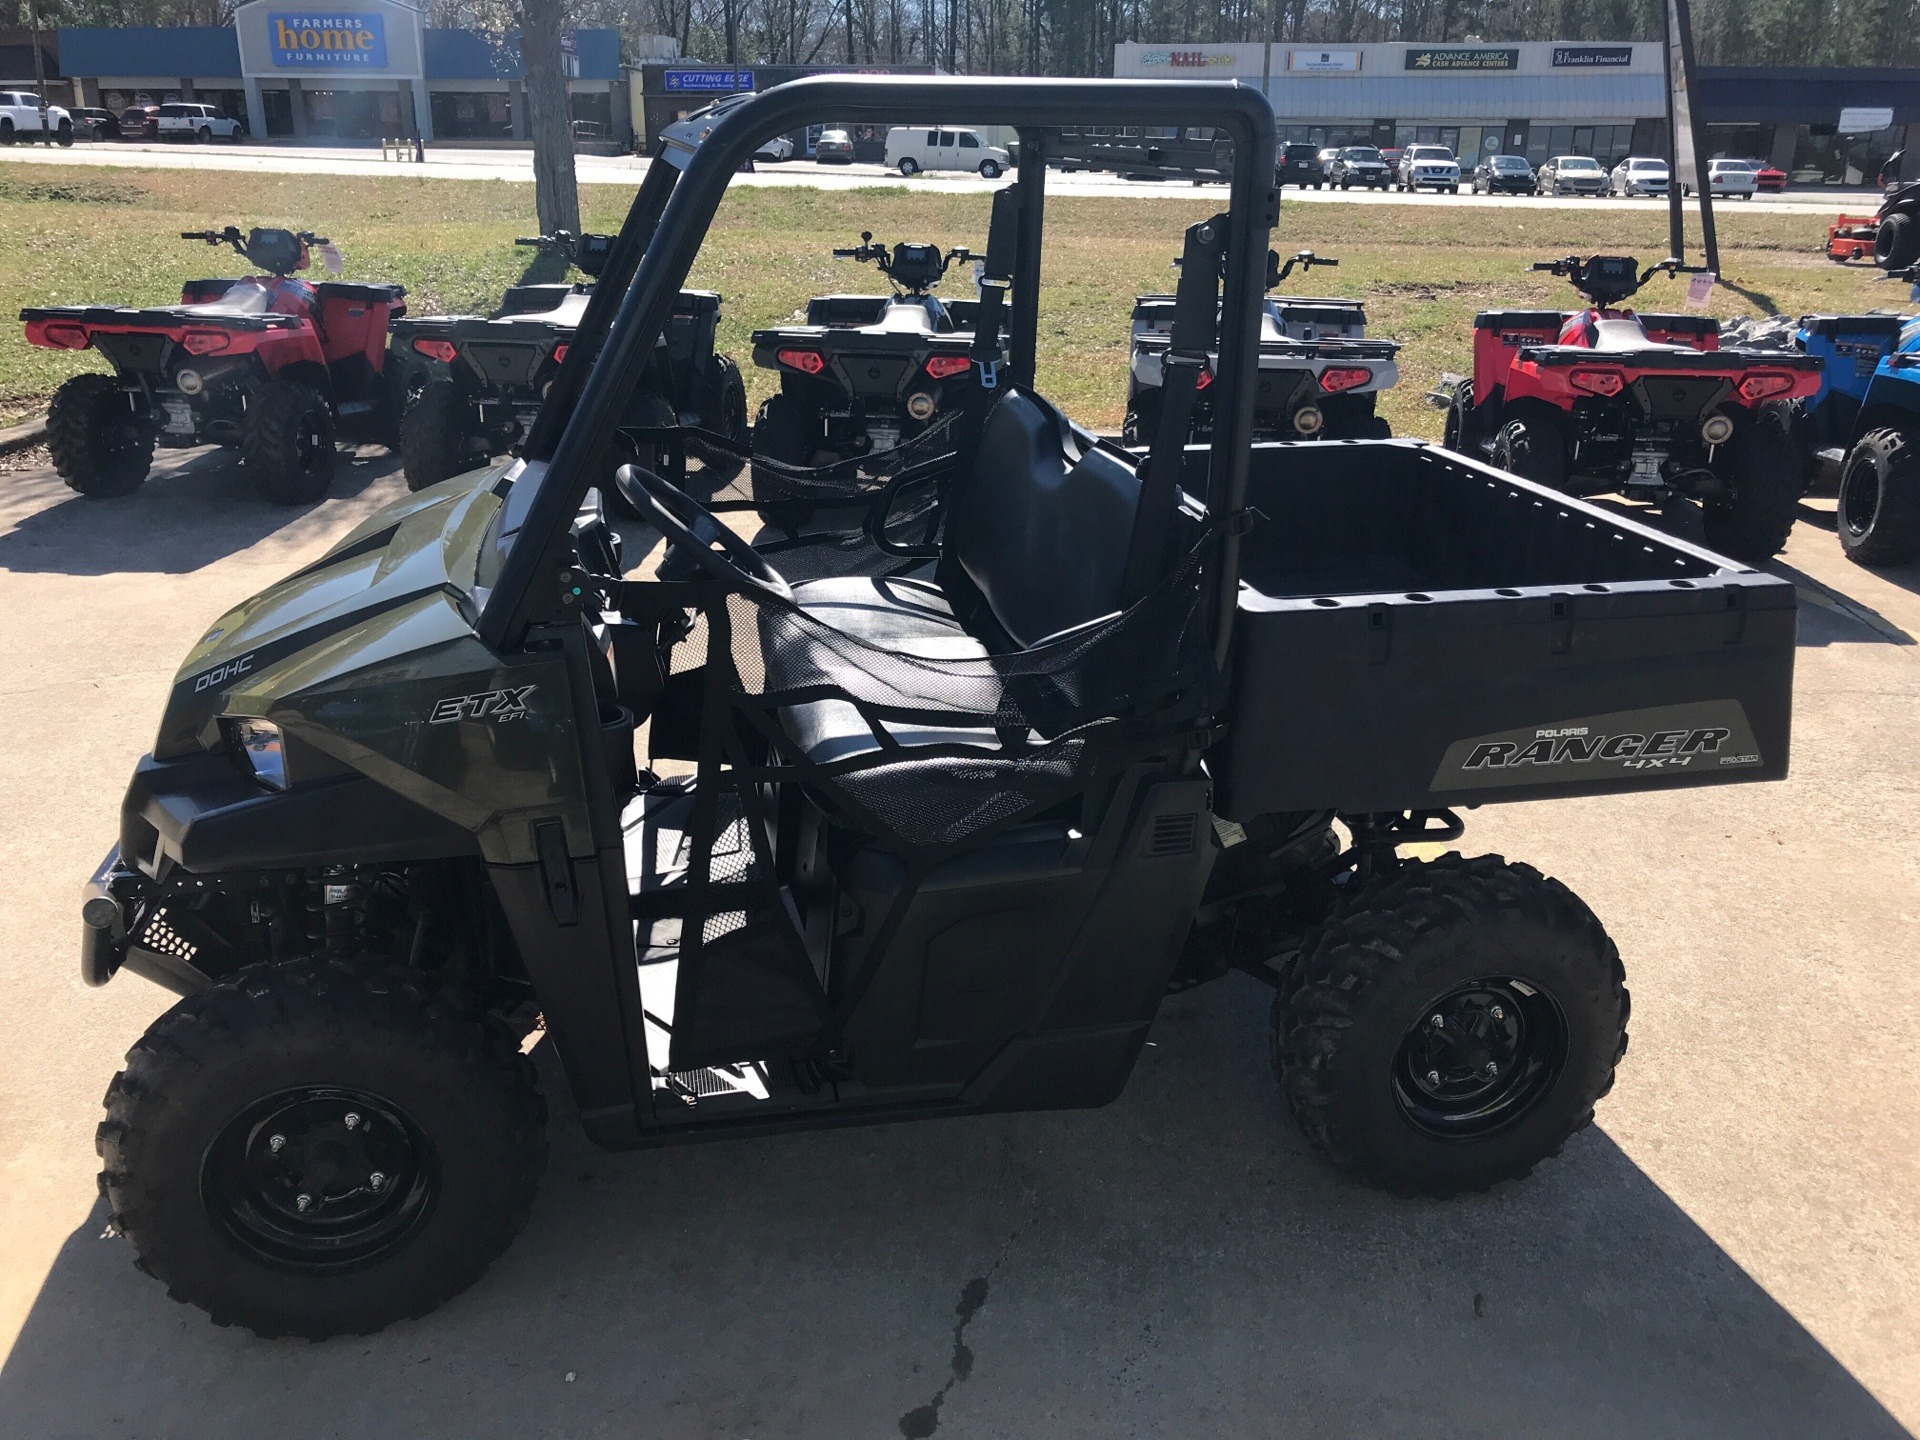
[(202, 123), (1504, 175), (1573, 175), (1299, 165), (1770, 178), (779, 148), (95, 124), (1733, 177), (1359, 165), (913, 148), (1327, 156), (834, 147), (20, 116), (140, 122), (684, 135), (1641, 175), (1429, 167)]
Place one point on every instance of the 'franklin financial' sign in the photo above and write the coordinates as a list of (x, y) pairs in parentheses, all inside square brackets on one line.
[(340, 41)]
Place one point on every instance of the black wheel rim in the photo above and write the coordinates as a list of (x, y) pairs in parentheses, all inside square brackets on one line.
[(1859, 500), (320, 1179), (1480, 1058)]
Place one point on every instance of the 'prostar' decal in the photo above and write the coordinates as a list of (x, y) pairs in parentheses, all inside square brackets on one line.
[(1710, 736), (498, 705)]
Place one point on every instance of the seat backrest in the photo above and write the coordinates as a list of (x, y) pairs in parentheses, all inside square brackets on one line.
[(1040, 525)]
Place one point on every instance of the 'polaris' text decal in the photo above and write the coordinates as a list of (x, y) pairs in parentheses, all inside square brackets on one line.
[(1711, 735)]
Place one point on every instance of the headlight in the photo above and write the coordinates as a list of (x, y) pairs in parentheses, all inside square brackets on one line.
[(259, 747)]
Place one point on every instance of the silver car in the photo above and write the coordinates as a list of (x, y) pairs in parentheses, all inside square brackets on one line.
[(1641, 175), (1573, 175)]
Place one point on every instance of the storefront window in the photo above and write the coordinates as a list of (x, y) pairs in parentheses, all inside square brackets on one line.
[(1831, 159), (593, 113), (480, 115), (352, 114)]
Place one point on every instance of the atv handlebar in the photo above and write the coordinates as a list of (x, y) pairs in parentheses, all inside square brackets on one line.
[(1305, 259)]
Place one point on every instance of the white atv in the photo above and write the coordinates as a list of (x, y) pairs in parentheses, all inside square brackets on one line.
[(1319, 374)]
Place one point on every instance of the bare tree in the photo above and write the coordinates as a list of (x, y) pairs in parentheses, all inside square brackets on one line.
[(556, 193)]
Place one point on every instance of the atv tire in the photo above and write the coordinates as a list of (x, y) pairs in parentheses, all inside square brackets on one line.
[(1523, 978), (1458, 426), (1878, 517), (287, 443), (437, 439), (407, 1119), (100, 448), (780, 434), (1758, 463), (1533, 445), (1896, 244), (723, 410)]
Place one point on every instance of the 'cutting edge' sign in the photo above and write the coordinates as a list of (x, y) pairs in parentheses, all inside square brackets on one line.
[(349, 40)]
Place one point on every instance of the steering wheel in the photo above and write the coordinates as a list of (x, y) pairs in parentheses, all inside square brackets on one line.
[(692, 533)]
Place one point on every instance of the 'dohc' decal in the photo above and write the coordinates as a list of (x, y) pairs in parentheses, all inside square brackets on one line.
[(1711, 735)]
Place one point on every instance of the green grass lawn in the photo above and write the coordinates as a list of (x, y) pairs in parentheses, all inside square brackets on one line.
[(86, 235)]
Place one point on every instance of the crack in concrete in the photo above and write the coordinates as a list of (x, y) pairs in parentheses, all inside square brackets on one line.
[(923, 1420)]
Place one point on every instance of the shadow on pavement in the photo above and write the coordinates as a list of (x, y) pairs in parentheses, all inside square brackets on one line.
[(197, 507), (1177, 1264)]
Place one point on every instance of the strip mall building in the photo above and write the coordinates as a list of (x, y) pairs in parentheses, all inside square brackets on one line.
[(362, 74), (1543, 98)]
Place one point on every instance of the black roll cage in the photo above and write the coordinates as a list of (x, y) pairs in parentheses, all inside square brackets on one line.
[(668, 221)]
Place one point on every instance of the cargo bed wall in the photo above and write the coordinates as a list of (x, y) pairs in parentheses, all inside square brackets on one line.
[(1418, 630)]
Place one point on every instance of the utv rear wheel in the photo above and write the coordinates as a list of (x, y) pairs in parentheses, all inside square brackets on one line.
[(98, 445), (1534, 446), (1759, 466), (1896, 244), (436, 437), (287, 443), (316, 1149), (1878, 516), (1451, 1026)]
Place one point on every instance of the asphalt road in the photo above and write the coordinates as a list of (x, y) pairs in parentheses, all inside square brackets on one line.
[(1732, 1250), (464, 163)]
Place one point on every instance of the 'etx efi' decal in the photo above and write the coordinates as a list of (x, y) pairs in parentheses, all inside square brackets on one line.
[(334, 40), (1712, 735)]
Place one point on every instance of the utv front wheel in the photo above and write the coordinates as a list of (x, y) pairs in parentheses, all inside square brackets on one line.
[(287, 444), (435, 435), (316, 1149), (1878, 516), (1451, 1027), (1534, 447), (98, 445), (1753, 522)]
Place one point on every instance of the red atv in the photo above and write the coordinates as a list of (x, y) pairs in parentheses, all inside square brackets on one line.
[(1649, 406), (266, 364)]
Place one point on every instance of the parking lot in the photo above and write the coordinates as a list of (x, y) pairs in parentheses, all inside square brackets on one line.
[(483, 163), (1732, 1250)]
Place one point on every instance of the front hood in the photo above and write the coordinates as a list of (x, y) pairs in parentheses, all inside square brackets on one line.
[(417, 554)]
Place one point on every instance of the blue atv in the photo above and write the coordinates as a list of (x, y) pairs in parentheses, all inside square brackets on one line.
[(1878, 515)]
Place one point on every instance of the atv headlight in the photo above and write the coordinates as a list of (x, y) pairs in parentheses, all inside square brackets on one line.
[(258, 746)]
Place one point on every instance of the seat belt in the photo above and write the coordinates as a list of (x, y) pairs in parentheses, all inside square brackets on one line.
[(1196, 320), (996, 281)]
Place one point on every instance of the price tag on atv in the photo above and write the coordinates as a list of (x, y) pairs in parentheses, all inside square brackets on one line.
[(1700, 287), (331, 258)]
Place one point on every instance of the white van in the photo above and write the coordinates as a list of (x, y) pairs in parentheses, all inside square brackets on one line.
[(911, 149)]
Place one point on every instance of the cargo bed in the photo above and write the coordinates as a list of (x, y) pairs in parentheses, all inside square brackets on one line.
[(1417, 630)]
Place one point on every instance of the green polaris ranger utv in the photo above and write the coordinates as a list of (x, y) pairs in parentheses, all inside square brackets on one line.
[(927, 837)]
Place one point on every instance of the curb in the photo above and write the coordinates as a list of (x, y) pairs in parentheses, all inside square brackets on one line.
[(24, 436)]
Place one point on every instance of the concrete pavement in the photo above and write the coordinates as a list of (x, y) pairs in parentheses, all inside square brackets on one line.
[(1733, 1250)]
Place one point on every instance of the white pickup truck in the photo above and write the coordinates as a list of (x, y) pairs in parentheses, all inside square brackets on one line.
[(20, 116)]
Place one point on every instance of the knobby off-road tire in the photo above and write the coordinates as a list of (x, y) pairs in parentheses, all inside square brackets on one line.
[(286, 445), (96, 443), (1896, 244), (1760, 465), (437, 440), (723, 410), (1457, 427), (1523, 976), (1533, 445), (1878, 517), (438, 1094), (781, 431)]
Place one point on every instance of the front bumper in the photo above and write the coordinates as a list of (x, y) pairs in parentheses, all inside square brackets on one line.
[(115, 904)]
